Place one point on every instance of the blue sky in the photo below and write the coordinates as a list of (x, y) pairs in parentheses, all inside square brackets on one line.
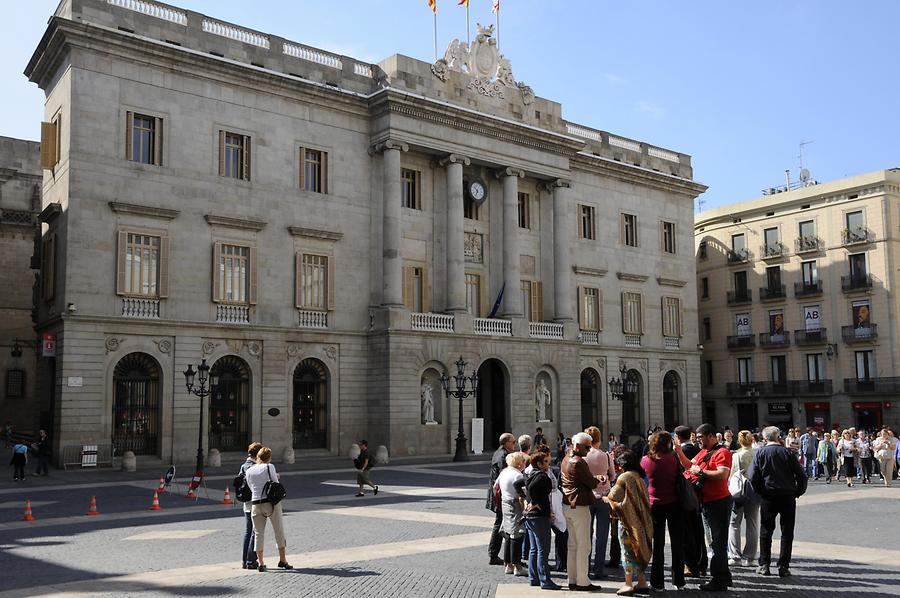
[(738, 85)]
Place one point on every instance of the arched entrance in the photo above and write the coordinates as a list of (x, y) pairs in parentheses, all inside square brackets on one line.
[(491, 402), (229, 406), (310, 405), (632, 414), (590, 399), (671, 394), (136, 405)]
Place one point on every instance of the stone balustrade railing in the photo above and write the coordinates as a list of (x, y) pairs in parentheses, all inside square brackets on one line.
[(625, 143), (584, 132), (633, 340), (232, 314), (313, 55), (363, 69), (312, 319), (166, 13), (429, 322), (492, 327), (590, 337), (133, 307), (548, 330), (672, 342), (236, 33)]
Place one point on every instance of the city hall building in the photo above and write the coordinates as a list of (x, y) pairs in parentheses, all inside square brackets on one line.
[(331, 236)]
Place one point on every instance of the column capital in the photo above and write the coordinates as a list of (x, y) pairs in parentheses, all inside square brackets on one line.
[(388, 144), (454, 159), (509, 171), (552, 185)]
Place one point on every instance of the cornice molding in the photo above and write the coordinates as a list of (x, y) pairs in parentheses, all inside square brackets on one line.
[(670, 282), (240, 223), (314, 233), (585, 271), (638, 175), (139, 210), (631, 277)]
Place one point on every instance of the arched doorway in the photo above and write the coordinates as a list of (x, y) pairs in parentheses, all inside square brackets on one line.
[(590, 399), (310, 405), (632, 414), (491, 403), (229, 406), (671, 407), (136, 405)]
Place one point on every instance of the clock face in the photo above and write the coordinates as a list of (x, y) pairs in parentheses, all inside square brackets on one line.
[(477, 191)]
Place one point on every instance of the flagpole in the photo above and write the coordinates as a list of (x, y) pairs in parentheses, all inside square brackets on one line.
[(435, 36), (468, 27), (498, 29)]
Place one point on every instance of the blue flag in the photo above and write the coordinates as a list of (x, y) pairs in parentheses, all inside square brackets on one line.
[(498, 301)]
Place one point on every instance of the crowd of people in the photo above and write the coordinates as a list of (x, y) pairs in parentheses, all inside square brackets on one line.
[(718, 494)]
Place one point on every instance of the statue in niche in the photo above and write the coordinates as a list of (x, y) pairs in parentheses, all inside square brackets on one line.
[(428, 404), (542, 400)]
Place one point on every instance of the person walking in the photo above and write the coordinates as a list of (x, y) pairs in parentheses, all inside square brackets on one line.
[(8, 434), (363, 465), (884, 447), (615, 550), (538, 487), (865, 456), (578, 485), (746, 511), (695, 558), (498, 462), (262, 510), (18, 461), (249, 558), (539, 439), (512, 527), (42, 452), (661, 468), (827, 457), (847, 449), (711, 468), (631, 505), (601, 466), (809, 449), (779, 480)]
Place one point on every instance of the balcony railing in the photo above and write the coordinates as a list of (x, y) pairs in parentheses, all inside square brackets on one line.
[(492, 327), (889, 385), (741, 341), (429, 322), (807, 244), (590, 337), (859, 334), (855, 236), (811, 337), (547, 330), (312, 319), (633, 340), (856, 282), (772, 293), (133, 307), (232, 314), (672, 342), (738, 297), (807, 289), (773, 250), (738, 256), (768, 340), (785, 388)]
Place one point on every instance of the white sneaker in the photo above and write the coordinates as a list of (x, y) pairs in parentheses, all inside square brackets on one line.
[(734, 562), (521, 571), (509, 569), (747, 562)]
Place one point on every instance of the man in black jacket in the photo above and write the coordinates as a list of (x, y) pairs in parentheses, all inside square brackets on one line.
[(695, 557), (778, 478), (498, 462)]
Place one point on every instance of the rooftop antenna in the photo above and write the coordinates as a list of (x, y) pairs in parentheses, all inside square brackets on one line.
[(804, 173)]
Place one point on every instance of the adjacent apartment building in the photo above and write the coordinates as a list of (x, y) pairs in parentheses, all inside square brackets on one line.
[(798, 311), (332, 235)]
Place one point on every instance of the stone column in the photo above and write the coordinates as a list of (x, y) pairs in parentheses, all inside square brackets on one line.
[(392, 267), (456, 264), (512, 296), (562, 261)]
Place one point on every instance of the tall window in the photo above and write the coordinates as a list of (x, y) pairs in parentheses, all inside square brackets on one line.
[(771, 239), (15, 383), (409, 189), (234, 274), (234, 155), (815, 367), (143, 138), (473, 294), (587, 229), (854, 221), (314, 282), (470, 208), (632, 316), (704, 287), (414, 288), (865, 365), (313, 170), (745, 370), (702, 250), (709, 371), (48, 267), (808, 229), (141, 264), (630, 233), (532, 300), (671, 316), (524, 210), (773, 279), (707, 329), (589, 308), (857, 267), (779, 369), (740, 283), (668, 237), (809, 273), (738, 242)]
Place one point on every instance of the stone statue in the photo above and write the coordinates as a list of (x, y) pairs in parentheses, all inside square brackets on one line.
[(457, 54), (504, 72), (542, 400), (428, 404)]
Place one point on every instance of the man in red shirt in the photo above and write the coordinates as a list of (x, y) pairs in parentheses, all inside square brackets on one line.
[(710, 469)]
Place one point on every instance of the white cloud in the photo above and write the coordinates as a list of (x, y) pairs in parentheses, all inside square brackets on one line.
[(650, 109)]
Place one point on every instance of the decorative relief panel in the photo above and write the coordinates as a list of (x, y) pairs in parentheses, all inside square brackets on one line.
[(473, 248)]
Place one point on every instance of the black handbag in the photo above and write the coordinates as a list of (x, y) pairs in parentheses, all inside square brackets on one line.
[(273, 491), (687, 496)]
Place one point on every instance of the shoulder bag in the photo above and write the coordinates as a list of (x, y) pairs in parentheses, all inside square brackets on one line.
[(273, 491), (686, 494)]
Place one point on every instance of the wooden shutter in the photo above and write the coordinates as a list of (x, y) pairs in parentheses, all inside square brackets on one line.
[(221, 153), (418, 187), (599, 310), (408, 288), (157, 141), (537, 302), (484, 297), (252, 274), (298, 280), (426, 291), (624, 301), (246, 146), (581, 314), (129, 134), (163, 282), (302, 168), (323, 179), (48, 145), (216, 273), (330, 298), (120, 263)]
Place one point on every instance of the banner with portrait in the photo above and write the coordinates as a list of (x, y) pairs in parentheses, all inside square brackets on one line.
[(776, 325), (862, 318)]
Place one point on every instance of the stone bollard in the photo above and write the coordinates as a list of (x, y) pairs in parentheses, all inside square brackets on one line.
[(354, 451), (381, 455), (288, 456), (214, 459), (129, 461)]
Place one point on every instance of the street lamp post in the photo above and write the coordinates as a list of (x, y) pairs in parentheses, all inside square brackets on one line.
[(202, 392), (465, 386), (619, 386)]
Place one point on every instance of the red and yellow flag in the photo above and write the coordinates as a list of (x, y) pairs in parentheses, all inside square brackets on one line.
[(432, 4), (464, 3), (496, 7)]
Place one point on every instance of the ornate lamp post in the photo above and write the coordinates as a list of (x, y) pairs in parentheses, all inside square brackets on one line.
[(465, 386), (202, 392), (618, 387)]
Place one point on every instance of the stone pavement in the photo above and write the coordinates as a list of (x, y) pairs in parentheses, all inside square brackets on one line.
[(424, 535)]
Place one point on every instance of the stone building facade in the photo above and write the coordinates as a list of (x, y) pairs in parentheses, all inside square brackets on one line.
[(797, 317), (20, 200), (331, 236)]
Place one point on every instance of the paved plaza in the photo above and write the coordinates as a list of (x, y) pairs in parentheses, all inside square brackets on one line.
[(424, 535)]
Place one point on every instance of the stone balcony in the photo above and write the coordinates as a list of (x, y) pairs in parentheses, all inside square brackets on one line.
[(430, 322)]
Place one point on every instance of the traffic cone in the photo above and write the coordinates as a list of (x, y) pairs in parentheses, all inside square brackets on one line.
[(92, 508), (155, 506), (191, 494), (227, 500), (162, 486), (28, 516)]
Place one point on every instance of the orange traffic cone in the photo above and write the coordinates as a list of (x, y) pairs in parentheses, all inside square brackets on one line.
[(92, 508), (227, 500), (191, 494), (162, 486), (28, 516), (155, 506)]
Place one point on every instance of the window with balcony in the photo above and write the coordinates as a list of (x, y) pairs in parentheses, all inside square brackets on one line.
[(865, 365), (773, 289), (668, 237), (143, 264), (632, 314), (859, 278), (410, 189), (589, 308), (234, 155), (739, 252), (745, 370), (315, 282), (144, 138), (772, 242), (815, 367), (671, 317), (532, 300), (414, 289), (473, 294), (778, 365), (235, 275), (854, 222), (807, 239)]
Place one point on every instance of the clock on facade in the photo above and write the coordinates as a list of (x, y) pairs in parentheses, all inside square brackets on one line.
[(477, 191)]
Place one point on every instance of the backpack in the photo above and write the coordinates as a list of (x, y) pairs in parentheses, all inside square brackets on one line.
[(738, 485), (242, 491)]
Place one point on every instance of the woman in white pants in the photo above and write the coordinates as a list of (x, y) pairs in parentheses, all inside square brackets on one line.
[(747, 512), (884, 448), (262, 510)]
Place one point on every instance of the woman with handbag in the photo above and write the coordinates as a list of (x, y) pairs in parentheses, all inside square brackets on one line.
[(744, 510), (662, 472), (512, 526), (884, 448), (266, 505)]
